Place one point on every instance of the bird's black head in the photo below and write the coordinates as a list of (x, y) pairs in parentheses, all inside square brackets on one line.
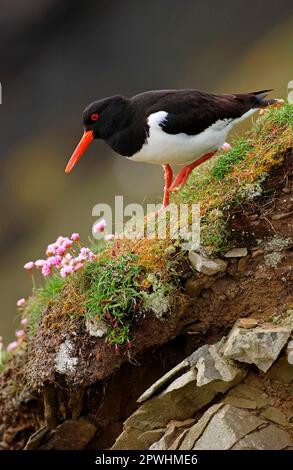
[(101, 119), (106, 116)]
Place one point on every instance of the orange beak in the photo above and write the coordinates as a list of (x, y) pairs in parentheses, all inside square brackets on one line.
[(85, 141)]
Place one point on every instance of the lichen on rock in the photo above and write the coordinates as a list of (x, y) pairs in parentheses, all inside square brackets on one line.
[(65, 361)]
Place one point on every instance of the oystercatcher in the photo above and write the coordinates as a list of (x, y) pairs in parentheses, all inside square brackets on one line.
[(168, 127)]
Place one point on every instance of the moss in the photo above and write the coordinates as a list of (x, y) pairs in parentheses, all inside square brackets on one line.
[(230, 159)]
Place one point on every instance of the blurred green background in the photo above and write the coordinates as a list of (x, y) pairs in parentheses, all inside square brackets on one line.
[(58, 55)]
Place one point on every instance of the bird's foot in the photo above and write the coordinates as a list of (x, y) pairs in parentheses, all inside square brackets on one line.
[(175, 189), (183, 175), (180, 180)]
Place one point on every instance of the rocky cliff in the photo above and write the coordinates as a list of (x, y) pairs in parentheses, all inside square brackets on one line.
[(150, 345)]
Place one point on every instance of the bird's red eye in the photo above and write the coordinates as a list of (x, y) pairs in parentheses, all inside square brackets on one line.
[(94, 117)]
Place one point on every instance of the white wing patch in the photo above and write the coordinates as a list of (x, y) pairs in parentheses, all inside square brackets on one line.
[(182, 149)]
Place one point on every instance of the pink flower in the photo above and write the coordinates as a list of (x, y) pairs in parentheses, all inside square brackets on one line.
[(39, 263), (85, 254), (54, 260), (75, 237), (67, 260), (66, 270), (46, 270), (12, 345), (99, 226), (109, 237), (84, 251), (226, 147), (20, 334), (60, 250), (24, 321), (20, 302), (91, 256), (67, 243), (29, 265), (78, 266), (51, 249)]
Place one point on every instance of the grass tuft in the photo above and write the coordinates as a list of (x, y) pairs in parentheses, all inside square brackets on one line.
[(229, 160), (112, 294), (40, 300)]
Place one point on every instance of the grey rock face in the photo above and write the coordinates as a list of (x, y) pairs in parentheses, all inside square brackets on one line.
[(244, 416), (236, 253), (205, 265), (260, 346), (226, 427)]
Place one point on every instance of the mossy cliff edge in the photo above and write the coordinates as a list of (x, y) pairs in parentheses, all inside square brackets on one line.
[(99, 338)]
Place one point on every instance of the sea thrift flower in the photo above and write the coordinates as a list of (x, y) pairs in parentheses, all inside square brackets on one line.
[(99, 226), (78, 266), (54, 260), (20, 334), (109, 237), (84, 251), (67, 259), (85, 254), (12, 345), (51, 249), (24, 321), (20, 302), (226, 147), (75, 237), (66, 270), (60, 250), (46, 270), (29, 265), (78, 259), (39, 263), (67, 243)]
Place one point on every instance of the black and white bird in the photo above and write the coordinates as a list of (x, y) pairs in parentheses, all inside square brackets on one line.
[(167, 127)]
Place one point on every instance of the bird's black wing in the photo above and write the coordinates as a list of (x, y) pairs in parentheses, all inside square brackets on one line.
[(191, 111)]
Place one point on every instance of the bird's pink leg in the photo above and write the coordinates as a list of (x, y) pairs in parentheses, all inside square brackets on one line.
[(168, 181), (183, 175)]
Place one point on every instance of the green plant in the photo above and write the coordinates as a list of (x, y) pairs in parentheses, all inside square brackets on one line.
[(228, 160), (112, 294), (40, 300)]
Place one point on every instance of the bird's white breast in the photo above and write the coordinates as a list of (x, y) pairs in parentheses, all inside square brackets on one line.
[(182, 149)]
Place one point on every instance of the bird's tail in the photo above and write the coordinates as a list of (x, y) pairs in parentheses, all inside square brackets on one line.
[(261, 102)]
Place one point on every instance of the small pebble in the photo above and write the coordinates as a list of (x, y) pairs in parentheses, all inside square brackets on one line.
[(247, 323), (283, 215), (257, 253)]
